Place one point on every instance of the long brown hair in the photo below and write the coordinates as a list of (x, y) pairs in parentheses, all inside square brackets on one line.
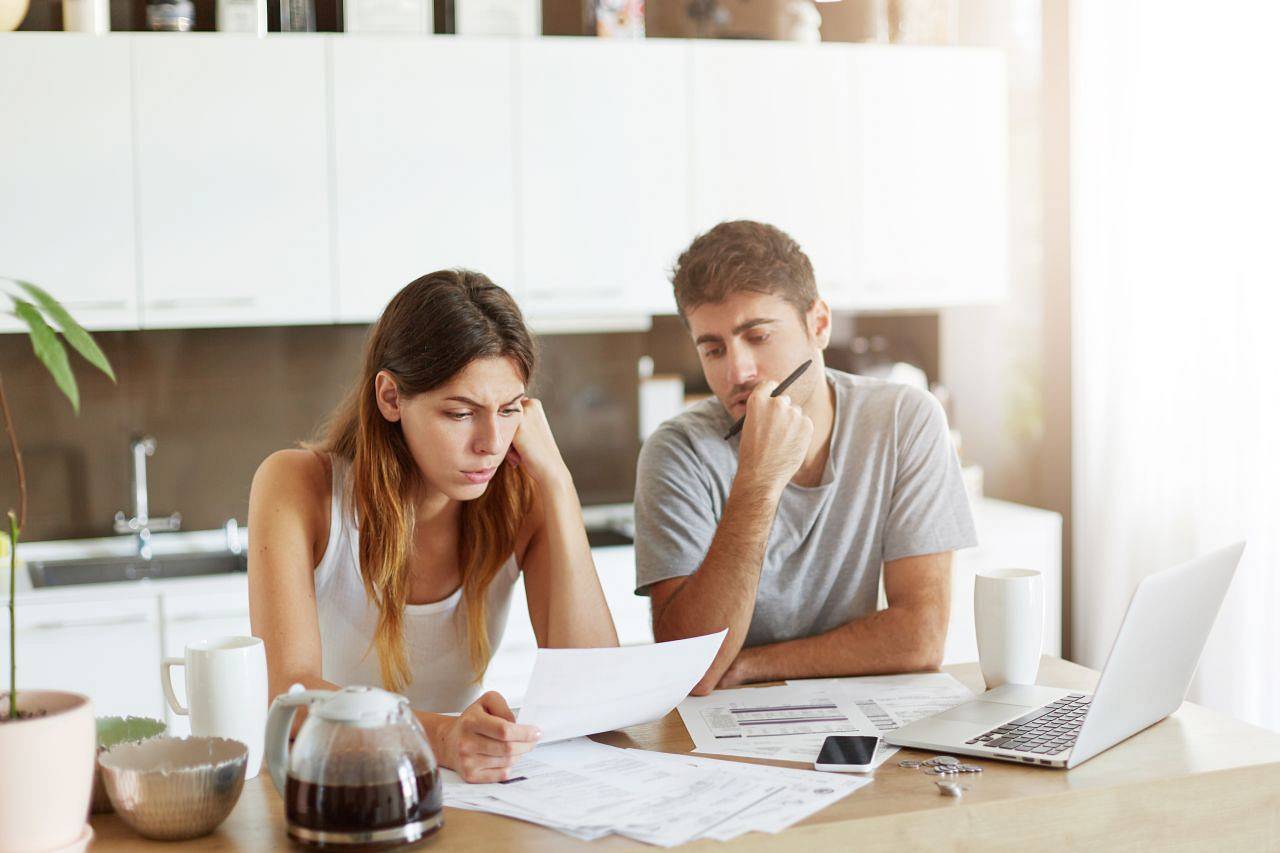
[(430, 330)]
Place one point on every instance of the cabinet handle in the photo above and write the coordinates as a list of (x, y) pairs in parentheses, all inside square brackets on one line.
[(95, 304), (202, 302), (200, 617), (103, 622), (603, 293)]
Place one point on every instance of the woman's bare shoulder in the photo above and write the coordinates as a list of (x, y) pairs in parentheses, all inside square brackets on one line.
[(295, 480)]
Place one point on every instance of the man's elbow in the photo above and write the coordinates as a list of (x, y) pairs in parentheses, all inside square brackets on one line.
[(930, 643)]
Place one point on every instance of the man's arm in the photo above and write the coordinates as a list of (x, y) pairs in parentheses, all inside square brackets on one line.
[(721, 593), (908, 636)]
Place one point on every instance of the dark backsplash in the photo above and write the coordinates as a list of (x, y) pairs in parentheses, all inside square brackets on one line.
[(218, 401)]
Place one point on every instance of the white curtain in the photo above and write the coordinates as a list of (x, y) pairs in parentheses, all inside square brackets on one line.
[(1175, 181)]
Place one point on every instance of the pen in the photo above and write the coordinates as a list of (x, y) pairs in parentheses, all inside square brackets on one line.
[(786, 383)]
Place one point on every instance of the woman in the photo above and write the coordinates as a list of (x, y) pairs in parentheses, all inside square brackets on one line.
[(387, 552)]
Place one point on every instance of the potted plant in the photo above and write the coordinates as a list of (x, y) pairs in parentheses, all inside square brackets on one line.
[(46, 736)]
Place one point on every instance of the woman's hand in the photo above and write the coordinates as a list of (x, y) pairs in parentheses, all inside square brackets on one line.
[(484, 741), (535, 448)]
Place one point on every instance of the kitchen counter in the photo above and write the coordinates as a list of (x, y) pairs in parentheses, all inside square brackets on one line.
[(1198, 779)]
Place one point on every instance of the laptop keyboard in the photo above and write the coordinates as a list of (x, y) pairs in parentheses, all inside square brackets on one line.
[(1046, 731)]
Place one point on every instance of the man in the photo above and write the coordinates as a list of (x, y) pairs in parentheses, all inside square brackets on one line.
[(780, 533)]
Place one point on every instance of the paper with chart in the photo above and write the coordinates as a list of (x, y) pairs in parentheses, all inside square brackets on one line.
[(782, 723), (589, 790), (906, 697), (575, 692)]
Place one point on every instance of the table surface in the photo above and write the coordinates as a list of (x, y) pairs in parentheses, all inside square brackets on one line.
[(1197, 777)]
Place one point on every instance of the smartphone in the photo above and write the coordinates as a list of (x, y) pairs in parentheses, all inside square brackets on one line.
[(847, 753)]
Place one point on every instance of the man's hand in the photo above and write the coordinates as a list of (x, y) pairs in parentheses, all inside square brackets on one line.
[(775, 439), (737, 673)]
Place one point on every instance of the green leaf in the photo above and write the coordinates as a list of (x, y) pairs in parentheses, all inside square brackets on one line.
[(114, 730), (71, 330), (47, 347)]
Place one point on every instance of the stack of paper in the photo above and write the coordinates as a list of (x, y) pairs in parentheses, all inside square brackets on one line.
[(790, 723), (589, 790)]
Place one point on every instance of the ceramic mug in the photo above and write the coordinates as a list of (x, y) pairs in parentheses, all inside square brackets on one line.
[(226, 690), (1008, 615)]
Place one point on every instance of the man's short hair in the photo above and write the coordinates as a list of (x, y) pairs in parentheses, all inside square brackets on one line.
[(743, 256)]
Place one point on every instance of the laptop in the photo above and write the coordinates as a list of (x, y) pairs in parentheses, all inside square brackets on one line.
[(1144, 680)]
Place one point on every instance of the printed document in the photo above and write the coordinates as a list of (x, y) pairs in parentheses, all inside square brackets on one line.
[(575, 692)]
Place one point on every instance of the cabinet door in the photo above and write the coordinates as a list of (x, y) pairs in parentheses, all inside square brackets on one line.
[(232, 180), (109, 651), (423, 164), (603, 152), (1009, 536), (66, 184), (932, 133), (770, 142), (190, 617)]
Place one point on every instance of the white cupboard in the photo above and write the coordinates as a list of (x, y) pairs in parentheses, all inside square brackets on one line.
[(233, 180), (602, 134), (1010, 536), (108, 651), (66, 174), (930, 186), (770, 141), (156, 180), (423, 164), (189, 617)]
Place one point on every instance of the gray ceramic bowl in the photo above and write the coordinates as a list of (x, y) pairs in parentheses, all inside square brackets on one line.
[(171, 788)]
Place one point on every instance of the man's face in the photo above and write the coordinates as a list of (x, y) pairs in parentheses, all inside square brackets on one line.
[(751, 338)]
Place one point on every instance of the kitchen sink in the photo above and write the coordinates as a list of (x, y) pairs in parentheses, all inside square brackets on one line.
[(45, 573), (604, 538)]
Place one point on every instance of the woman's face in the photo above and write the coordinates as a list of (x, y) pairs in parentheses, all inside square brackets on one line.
[(459, 433)]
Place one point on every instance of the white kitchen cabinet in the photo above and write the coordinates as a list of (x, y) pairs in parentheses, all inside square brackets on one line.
[(189, 617), (1010, 536), (423, 164), (108, 651), (603, 165), (166, 180), (232, 180), (771, 142), (66, 174), (930, 183)]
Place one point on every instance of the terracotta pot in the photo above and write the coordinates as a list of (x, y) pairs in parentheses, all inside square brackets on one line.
[(46, 775), (11, 14)]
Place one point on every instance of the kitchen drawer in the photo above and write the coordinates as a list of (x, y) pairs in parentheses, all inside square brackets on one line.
[(109, 652), (188, 618)]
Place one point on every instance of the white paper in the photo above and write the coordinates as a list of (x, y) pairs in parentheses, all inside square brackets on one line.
[(907, 697), (780, 723), (588, 790), (576, 692), (804, 792)]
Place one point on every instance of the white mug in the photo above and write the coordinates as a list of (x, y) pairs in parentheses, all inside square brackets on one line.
[(1008, 614), (226, 689)]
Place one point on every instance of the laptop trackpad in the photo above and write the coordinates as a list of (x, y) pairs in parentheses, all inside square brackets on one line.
[(984, 713)]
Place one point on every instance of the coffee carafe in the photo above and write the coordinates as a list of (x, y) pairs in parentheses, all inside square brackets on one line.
[(360, 775)]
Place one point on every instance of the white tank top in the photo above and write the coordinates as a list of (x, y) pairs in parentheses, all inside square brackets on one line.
[(435, 634)]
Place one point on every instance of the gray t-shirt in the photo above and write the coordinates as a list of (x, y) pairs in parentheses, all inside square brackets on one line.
[(892, 489)]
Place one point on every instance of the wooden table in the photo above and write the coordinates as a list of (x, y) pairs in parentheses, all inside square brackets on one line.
[(1197, 780)]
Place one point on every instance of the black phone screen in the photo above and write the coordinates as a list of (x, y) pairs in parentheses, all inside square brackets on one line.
[(848, 749)]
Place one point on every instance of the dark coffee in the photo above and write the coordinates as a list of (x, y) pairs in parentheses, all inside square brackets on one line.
[(355, 808)]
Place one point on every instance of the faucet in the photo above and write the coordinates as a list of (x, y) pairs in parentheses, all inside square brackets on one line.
[(141, 524)]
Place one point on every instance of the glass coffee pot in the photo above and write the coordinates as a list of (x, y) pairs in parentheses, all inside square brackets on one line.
[(360, 775)]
